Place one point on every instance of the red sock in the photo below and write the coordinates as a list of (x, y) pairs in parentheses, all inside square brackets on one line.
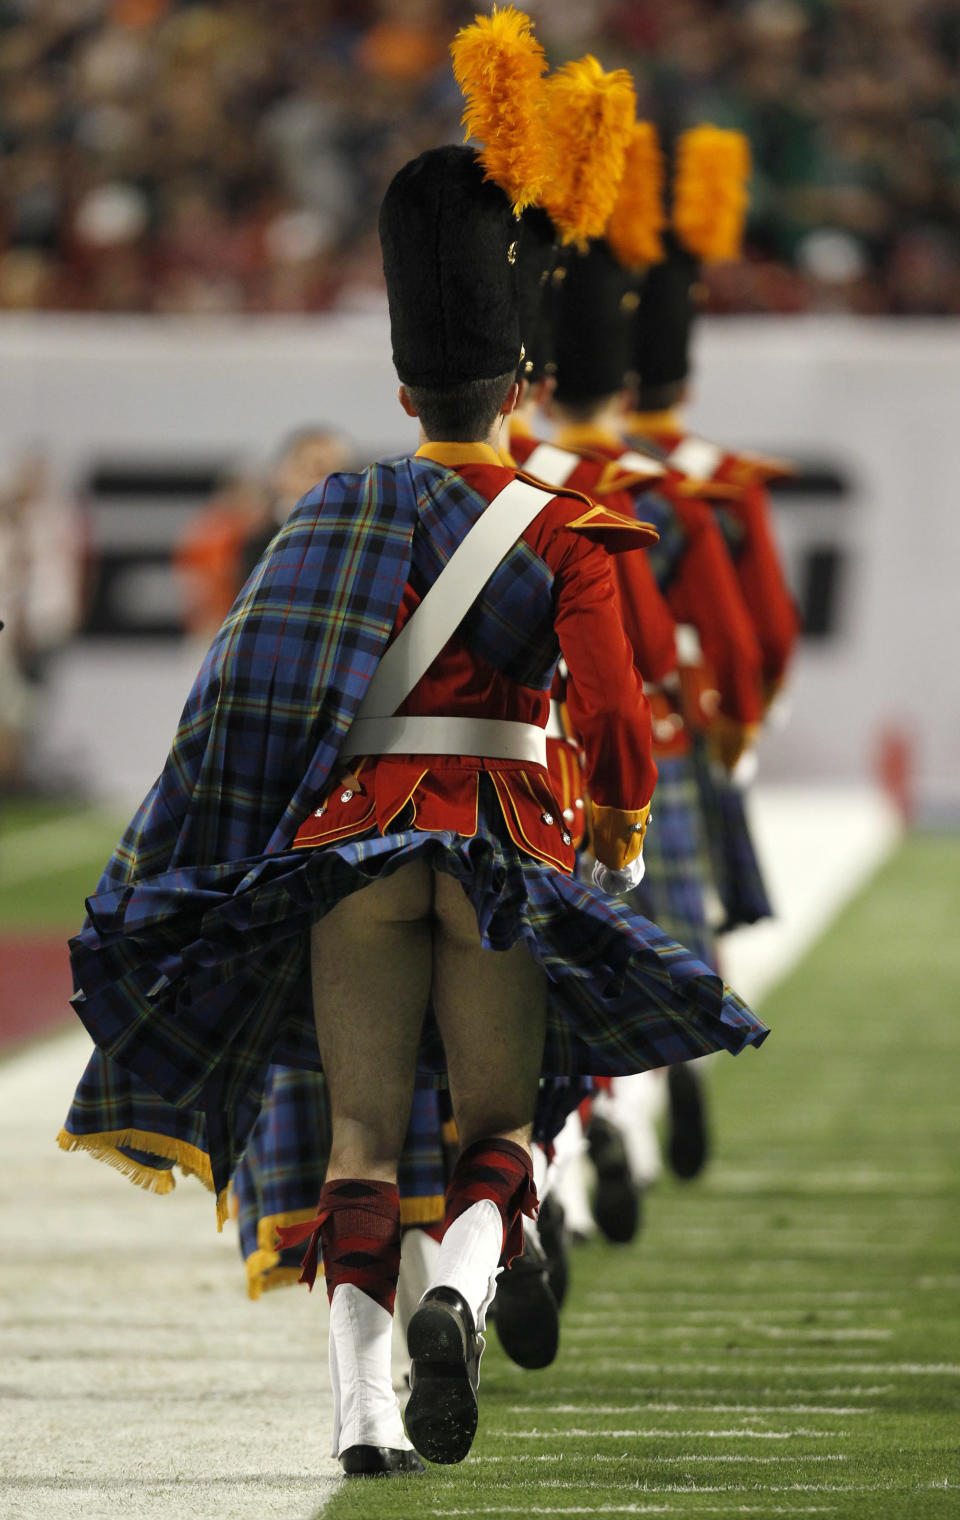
[(357, 1227), (502, 1172)]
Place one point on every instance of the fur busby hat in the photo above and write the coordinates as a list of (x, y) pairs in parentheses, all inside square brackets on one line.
[(594, 315), (450, 244), (537, 258), (664, 320)]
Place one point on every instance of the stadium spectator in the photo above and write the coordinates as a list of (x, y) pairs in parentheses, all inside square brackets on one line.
[(172, 156), (223, 541), (42, 563)]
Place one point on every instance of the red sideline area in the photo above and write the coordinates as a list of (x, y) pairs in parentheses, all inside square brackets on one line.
[(34, 986)]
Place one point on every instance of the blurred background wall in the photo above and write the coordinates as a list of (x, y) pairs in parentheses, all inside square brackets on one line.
[(189, 269), (142, 421)]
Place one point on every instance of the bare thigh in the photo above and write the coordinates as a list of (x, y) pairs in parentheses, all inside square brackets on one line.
[(491, 1008), (372, 962)]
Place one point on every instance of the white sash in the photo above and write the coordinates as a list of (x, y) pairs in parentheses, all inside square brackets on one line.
[(696, 457), (551, 464), (375, 730)]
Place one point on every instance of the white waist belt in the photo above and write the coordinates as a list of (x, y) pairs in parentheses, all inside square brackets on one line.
[(493, 738), (555, 728)]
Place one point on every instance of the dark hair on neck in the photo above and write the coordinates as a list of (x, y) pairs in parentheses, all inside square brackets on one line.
[(660, 398), (462, 413)]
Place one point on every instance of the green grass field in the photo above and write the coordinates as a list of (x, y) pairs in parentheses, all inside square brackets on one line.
[(50, 858), (785, 1338)]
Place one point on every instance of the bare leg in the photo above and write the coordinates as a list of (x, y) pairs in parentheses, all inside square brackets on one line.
[(371, 979), (371, 960), (491, 1007), (491, 1010)]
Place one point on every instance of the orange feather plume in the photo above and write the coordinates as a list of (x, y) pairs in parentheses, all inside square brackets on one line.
[(590, 119), (638, 217), (710, 192), (499, 66)]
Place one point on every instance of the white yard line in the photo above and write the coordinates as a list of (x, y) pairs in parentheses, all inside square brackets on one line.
[(738, 1433), (645, 1334), (629, 1435), (755, 1410), (637, 1509)]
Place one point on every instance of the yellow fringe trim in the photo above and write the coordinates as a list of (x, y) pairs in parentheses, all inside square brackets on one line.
[(259, 1264), (105, 1146), (422, 1210), (264, 1273), (267, 1226), (263, 1265)]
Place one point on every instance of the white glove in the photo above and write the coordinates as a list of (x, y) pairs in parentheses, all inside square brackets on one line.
[(744, 772), (614, 883)]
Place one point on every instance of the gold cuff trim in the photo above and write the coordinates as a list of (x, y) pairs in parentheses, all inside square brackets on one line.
[(618, 834)]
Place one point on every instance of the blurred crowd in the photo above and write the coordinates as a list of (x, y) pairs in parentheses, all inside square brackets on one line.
[(164, 155), (44, 565)]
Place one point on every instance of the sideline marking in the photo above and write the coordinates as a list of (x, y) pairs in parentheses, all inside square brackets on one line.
[(738, 1434), (588, 1435), (760, 1410)]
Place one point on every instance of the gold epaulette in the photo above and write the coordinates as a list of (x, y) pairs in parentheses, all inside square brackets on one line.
[(610, 526)]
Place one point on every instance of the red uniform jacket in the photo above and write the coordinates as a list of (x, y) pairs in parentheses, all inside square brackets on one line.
[(758, 565), (703, 592), (647, 619), (574, 538)]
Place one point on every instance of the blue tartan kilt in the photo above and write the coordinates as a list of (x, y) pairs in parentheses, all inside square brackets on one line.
[(197, 981), (737, 873), (676, 860)]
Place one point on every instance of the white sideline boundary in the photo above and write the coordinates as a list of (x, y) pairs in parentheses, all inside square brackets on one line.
[(138, 1382), (818, 846)]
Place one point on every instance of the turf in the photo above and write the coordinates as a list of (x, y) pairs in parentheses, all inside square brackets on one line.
[(51, 856), (784, 1337)]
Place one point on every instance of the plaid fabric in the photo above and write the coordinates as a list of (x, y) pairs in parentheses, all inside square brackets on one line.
[(556, 1101), (280, 1177), (733, 858), (666, 554), (677, 864), (192, 966), (623, 996), (734, 531), (259, 734)]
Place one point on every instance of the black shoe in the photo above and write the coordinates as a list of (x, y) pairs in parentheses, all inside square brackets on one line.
[(527, 1319), (616, 1202), (688, 1144), (551, 1227), (441, 1413), (379, 1462)]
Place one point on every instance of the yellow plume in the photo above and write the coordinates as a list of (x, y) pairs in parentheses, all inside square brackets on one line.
[(499, 65), (590, 118), (638, 216), (710, 192)]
